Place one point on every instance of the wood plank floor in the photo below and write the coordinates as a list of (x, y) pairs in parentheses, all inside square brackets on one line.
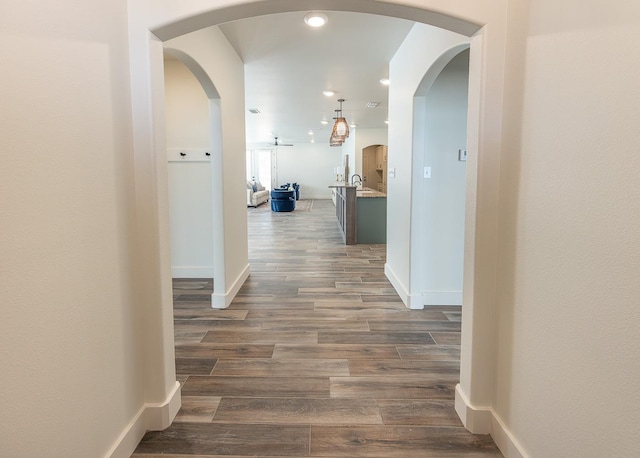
[(316, 356)]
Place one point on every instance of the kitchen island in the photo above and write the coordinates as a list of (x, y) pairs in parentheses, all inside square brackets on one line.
[(361, 213)]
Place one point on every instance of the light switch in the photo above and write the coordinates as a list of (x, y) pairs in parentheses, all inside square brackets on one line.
[(427, 172)]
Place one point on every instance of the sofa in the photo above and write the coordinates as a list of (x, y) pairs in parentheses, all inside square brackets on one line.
[(256, 194)]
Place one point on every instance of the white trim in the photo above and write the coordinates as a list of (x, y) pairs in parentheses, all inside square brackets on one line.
[(484, 420), (151, 417), (442, 298), (504, 439), (222, 301), (408, 300), (476, 419), (191, 271), (160, 416)]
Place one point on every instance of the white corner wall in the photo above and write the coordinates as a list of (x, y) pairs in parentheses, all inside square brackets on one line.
[(74, 331), (190, 186), (437, 251), (570, 210), (420, 50), (220, 63), (311, 165)]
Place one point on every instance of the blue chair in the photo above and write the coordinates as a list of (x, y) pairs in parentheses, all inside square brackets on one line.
[(295, 186), (283, 200)]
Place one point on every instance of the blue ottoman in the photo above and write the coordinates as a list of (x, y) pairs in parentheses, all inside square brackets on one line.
[(283, 200)]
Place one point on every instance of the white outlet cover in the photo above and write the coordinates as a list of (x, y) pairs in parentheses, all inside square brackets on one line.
[(427, 172)]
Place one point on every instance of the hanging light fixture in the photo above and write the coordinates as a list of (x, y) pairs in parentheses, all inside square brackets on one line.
[(340, 130)]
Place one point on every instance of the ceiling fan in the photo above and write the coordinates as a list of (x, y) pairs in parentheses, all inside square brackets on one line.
[(275, 142)]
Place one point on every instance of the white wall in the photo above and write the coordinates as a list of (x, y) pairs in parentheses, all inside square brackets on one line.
[(439, 217), (186, 108), (420, 50), (570, 210), (190, 186), (219, 64), (74, 326), (311, 165), (191, 213)]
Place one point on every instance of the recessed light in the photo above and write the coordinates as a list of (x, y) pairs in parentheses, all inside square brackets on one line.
[(310, 132), (353, 126), (312, 140), (324, 122), (328, 93), (385, 81), (315, 19), (387, 121)]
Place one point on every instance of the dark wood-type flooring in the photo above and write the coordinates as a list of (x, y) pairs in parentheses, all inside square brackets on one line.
[(316, 356)]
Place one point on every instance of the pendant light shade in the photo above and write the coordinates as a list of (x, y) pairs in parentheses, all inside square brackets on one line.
[(340, 130)]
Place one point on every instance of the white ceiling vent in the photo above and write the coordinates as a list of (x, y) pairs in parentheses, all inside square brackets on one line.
[(254, 110), (372, 104)]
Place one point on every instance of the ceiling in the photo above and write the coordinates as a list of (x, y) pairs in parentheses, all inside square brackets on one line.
[(289, 64)]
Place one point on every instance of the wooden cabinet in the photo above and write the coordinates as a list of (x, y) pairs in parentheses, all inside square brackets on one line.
[(381, 167)]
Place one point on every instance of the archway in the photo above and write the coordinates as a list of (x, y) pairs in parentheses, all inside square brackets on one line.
[(437, 207), (167, 20), (193, 168)]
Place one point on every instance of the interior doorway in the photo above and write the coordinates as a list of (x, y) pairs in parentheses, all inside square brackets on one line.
[(485, 119), (440, 107)]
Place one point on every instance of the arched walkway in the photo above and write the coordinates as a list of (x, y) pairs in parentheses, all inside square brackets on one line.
[(166, 20)]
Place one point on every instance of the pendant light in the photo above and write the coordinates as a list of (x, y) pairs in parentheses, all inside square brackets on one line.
[(340, 130)]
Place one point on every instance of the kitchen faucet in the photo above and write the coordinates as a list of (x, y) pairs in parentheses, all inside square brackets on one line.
[(353, 182)]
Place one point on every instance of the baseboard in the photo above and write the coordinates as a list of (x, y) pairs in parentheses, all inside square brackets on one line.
[(476, 419), (160, 416), (484, 420), (223, 300), (504, 439), (151, 417), (441, 298), (191, 271), (406, 298)]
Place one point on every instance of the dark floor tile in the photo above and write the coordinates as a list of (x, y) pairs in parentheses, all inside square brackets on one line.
[(398, 441), (419, 412), (298, 411), (335, 351), (376, 338), (197, 409), (430, 352), (228, 439), (224, 351), (282, 367), (195, 366), (404, 368), (391, 387), (415, 326), (294, 387)]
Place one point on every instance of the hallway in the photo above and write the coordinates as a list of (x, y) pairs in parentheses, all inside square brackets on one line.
[(316, 356)]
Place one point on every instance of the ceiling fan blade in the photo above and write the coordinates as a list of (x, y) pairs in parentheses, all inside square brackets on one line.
[(275, 142)]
